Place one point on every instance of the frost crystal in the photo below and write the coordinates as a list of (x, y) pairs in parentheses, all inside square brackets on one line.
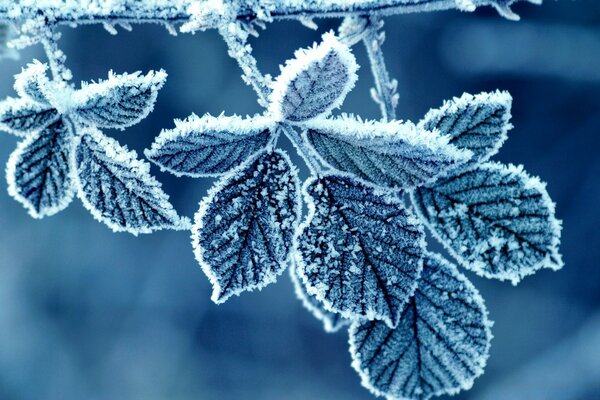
[(359, 252), (496, 220), (243, 230), (441, 343), (209, 145)]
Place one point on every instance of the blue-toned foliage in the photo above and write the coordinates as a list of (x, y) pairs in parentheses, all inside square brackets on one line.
[(118, 189), (38, 171), (359, 251), (391, 154), (441, 343), (243, 231), (23, 116), (496, 220), (209, 145), (332, 322)]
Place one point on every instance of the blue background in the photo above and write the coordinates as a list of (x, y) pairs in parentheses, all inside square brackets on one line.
[(89, 314)]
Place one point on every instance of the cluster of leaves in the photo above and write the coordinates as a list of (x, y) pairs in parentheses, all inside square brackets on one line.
[(417, 326)]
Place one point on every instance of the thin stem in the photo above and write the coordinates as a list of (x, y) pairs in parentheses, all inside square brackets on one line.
[(56, 57), (385, 88), (302, 148)]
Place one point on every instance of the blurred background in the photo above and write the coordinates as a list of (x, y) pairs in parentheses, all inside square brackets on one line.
[(89, 314)]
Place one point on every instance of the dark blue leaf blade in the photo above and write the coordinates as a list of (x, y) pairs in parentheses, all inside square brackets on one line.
[(209, 146), (118, 189), (478, 123), (39, 171), (359, 252), (313, 83), (244, 227), (332, 322), (390, 154), (32, 81), (440, 345), (495, 220), (23, 116)]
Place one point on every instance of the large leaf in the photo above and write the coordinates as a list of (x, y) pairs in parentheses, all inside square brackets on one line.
[(120, 101), (209, 146), (38, 171), (22, 116), (478, 123), (332, 322), (391, 154), (439, 347), (359, 252), (244, 228), (496, 220), (314, 82), (118, 189)]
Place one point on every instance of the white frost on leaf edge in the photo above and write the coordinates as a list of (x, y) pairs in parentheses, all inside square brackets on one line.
[(198, 225), (303, 58), (34, 71)]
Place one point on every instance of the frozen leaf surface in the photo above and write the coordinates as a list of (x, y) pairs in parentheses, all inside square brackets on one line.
[(332, 322), (392, 154), (478, 123), (38, 171), (244, 228), (496, 220), (209, 145), (314, 82), (441, 343), (120, 101), (118, 189), (359, 251), (23, 116), (32, 81)]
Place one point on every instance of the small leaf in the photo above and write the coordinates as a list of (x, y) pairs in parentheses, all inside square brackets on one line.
[(118, 189), (209, 146), (120, 101), (243, 230), (31, 82), (39, 171), (332, 322), (495, 220), (315, 82), (23, 116), (478, 123), (359, 251), (392, 154), (440, 346)]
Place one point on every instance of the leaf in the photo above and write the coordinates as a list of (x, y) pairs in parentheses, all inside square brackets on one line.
[(23, 116), (31, 82), (243, 230), (209, 146), (495, 220), (38, 171), (440, 346), (118, 189), (315, 82), (478, 123), (332, 322), (120, 101), (359, 251), (392, 154)]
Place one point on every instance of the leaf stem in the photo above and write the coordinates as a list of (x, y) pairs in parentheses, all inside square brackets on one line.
[(56, 57)]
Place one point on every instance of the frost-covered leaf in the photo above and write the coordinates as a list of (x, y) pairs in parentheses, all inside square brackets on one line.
[(440, 346), (478, 123), (244, 228), (332, 322), (496, 220), (209, 146), (315, 82), (118, 189), (359, 251), (32, 81), (22, 116), (38, 171), (392, 154), (120, 101)]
